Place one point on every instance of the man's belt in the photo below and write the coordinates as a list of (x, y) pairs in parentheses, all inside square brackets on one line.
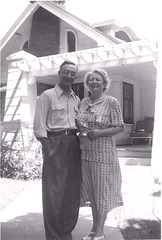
[(66, 132)]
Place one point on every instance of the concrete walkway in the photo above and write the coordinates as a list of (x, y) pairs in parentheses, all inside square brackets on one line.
[(22, 219)]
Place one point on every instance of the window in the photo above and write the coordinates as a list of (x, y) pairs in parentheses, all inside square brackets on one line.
[(123, 36), (41, 87), (127, 102), (71, 42), (78, 88)]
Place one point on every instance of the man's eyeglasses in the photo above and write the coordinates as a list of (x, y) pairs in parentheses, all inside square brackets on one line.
[(71, 73)]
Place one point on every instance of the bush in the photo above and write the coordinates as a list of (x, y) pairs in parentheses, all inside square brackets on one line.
[(21, 161)]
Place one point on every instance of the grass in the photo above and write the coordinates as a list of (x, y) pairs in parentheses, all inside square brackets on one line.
[(10, 189)]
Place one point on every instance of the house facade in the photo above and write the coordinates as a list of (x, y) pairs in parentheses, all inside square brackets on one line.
[(45, 35)]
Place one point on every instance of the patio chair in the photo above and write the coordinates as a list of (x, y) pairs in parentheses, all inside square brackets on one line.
[(143, 133)]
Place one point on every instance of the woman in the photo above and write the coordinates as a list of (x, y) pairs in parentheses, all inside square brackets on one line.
[(99, 119)]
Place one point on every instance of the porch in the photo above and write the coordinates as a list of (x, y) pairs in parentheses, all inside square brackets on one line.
[(123, 62)]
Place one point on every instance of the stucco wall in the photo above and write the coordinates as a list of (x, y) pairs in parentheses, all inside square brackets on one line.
[(116, 90), (148, 99), (144, 100)]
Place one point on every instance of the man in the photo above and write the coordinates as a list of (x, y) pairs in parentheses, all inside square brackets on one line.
[(55, 128)]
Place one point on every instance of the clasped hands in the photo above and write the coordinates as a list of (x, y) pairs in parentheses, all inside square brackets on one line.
[(94, 134), (104, 132)]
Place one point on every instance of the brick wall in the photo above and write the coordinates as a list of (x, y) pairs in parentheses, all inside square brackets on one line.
[(45, 34)]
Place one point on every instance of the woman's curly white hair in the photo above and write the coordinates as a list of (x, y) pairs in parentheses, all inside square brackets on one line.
[(104, 75)]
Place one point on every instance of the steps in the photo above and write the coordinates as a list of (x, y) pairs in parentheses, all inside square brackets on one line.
[(135, 155)]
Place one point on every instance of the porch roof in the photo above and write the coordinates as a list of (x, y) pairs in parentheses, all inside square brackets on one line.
[(136, 60)]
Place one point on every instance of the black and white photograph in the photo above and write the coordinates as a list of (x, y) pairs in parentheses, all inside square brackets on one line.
[(80, 95)]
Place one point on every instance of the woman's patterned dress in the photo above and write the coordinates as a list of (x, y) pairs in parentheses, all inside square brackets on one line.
[(101, 175)]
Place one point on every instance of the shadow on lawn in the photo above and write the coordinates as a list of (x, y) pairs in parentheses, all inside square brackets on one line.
[(142, 229)]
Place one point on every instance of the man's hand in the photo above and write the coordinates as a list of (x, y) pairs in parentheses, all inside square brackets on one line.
[(46, 146)]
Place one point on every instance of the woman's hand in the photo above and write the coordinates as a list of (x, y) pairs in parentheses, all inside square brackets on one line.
[(105, 132), (93, 134)]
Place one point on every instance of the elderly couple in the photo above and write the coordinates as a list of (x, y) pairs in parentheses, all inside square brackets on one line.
[(68, 128)]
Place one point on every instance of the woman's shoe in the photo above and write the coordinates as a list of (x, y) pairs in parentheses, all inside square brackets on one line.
[(99, 238), (90, 236)]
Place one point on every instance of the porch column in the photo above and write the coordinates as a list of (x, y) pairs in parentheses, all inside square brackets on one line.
[(21, 94), (20, 102)]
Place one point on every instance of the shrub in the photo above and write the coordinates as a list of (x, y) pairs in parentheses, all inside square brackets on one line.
[(23, 160)]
